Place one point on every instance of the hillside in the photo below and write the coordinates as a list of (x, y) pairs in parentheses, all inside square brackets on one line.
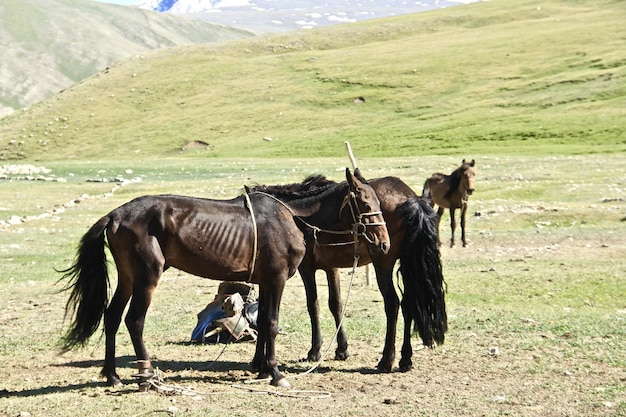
[(510, 77), (273, 16), (49, 45)]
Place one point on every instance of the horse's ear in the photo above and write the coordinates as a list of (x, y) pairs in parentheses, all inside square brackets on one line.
[(472, 163), (352, 180)]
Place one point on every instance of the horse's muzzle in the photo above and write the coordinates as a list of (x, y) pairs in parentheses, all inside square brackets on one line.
[(382, 247), (469, 191)]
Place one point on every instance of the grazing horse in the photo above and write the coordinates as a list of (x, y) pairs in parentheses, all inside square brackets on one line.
[(451, 192), (411, 223), (253, 238)]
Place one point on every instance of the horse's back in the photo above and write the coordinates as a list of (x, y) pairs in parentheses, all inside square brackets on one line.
[(205, 237), (436, 188)]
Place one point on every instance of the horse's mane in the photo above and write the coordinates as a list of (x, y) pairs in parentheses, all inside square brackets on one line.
[(311, 185)]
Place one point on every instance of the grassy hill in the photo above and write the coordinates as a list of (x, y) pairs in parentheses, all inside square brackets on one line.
[(48, 45), (497, 77)]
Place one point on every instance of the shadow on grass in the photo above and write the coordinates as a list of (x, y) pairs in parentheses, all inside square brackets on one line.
[(173, 366)]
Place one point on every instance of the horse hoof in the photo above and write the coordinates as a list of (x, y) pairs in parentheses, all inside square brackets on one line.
[(341, 356), (282, 382), (405, 367), (383, 369), (114, 382)]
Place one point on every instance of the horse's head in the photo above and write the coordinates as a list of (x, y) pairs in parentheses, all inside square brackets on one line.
[(468, 174), (363, 211)]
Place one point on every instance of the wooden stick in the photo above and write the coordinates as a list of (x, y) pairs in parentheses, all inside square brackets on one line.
[(368, 272), (351, 155)]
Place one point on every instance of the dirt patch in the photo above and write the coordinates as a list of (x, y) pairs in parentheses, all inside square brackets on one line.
[(196, 144)]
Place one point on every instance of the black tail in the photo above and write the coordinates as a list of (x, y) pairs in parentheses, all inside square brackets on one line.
[(420, 266), (89, 285)]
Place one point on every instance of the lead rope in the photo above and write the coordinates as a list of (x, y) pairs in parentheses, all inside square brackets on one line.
[(256, 236), (343, 315), (157, 380)]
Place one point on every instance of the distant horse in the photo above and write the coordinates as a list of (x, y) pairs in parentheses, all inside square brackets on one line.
[(253, 238), (452, 192), (411, 223)]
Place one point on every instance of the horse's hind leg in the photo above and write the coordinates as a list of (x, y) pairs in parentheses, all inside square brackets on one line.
[(307, 272), (406, 363), (138, 275), (440, 211), (334, 303), (391, 301), (136, 317), (112, 320)]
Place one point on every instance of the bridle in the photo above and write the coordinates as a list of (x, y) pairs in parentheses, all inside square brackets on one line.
[(359, 228)]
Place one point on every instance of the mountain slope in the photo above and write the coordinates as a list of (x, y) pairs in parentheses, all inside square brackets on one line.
[(289, 15), (504, 76), (48, 45)]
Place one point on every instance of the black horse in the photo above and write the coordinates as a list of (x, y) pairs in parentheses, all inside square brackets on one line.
[(411, 223), (252, 238)]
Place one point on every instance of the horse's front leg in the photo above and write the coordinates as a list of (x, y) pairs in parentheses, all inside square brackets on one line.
[(336, 308), (452, 225), (269, 309), (391, 301), (259, 351), (112, 321), (463, 211)]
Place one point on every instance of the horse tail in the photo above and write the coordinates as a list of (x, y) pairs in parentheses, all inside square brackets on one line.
[(426, 189), (426, 193), (423, 300), (89, 286)]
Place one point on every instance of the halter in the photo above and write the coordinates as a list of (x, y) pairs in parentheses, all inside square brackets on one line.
[(359, 228)]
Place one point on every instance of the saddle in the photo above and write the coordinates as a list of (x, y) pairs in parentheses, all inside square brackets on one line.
[(230, 317)]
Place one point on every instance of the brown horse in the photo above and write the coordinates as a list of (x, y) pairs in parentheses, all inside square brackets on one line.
[(411, 223), (253, 238), (452, 192)]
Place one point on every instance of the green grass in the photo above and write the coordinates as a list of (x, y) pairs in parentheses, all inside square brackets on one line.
[(545, 296), (517, 77), (542, 279)]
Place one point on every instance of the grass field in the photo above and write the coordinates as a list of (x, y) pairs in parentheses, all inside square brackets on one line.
[(542, 281)]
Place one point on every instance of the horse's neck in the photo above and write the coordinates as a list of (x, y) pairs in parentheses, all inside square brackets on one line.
[(321, 210)]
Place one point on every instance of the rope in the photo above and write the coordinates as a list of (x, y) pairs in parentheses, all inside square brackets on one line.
[(343, 315), (157, 382), (256, 237)]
